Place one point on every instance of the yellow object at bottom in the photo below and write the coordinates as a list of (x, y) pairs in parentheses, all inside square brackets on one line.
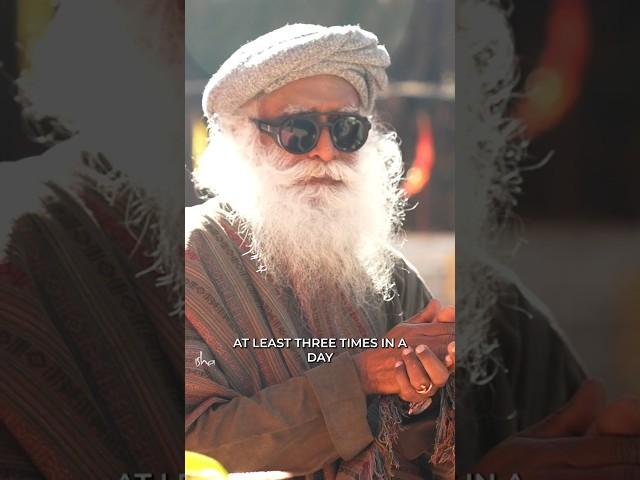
[(199, 466)]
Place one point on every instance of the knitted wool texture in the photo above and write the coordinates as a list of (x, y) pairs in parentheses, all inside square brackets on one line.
[(298, 51)]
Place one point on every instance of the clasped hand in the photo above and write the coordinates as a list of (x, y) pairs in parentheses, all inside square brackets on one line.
[(418, 371)]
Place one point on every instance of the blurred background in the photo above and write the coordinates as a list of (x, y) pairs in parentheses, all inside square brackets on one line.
[(581, 210), (419, 103), (22, 23)]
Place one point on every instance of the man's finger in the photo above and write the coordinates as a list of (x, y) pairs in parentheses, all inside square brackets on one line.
[(427, 314), (450, 357), (406, 390), (416, 372), (437, 371), (446, 315), (437, 341), (575, 417), (451, 349), (439, 349)]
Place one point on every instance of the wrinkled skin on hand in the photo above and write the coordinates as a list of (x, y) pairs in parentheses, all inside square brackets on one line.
[(429, 335)]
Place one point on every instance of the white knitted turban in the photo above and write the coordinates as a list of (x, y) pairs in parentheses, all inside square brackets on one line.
[(298, 51)]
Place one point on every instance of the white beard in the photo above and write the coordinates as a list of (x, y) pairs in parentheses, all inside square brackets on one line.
[(318, 240), (488, 176)]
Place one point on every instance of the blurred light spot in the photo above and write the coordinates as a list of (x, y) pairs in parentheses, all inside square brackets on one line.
[(545, 89), (554, 85), (198, 140), (33, 16), (419, 174)]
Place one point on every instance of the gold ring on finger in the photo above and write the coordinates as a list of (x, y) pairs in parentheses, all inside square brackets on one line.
[(424, 390)]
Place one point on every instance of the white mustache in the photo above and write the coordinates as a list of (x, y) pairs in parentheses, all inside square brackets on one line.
[(305, 170)]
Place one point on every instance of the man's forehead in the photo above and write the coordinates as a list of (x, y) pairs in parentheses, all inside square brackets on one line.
[(323, 93)]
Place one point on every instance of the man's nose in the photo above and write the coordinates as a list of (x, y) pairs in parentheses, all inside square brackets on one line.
[(324, 150)]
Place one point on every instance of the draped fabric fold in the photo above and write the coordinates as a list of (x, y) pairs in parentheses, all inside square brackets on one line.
[(91, 373), (228, 299)]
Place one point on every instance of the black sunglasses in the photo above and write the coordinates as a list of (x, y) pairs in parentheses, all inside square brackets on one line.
[(299, 134)]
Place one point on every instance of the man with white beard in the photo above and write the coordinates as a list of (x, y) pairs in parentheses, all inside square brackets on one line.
[(296, 243)]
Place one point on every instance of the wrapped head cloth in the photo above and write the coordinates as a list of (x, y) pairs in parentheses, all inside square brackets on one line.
[(298, 51)]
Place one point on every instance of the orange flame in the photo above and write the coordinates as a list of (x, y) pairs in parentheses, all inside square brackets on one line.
[(419, 174)]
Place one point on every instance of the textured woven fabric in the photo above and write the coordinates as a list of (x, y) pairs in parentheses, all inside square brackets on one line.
[(90, 383), (226, 298), (298, 51)]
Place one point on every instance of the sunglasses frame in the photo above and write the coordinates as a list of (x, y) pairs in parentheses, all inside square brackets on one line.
[(273, 128)]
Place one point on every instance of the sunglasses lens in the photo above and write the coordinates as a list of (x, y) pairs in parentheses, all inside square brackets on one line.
[(298, 135), (350, 133)]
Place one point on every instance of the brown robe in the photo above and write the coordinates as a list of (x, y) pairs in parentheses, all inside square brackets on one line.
[(259, 409)]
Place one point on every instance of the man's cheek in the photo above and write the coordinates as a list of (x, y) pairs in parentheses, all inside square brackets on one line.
[(265, 140)]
